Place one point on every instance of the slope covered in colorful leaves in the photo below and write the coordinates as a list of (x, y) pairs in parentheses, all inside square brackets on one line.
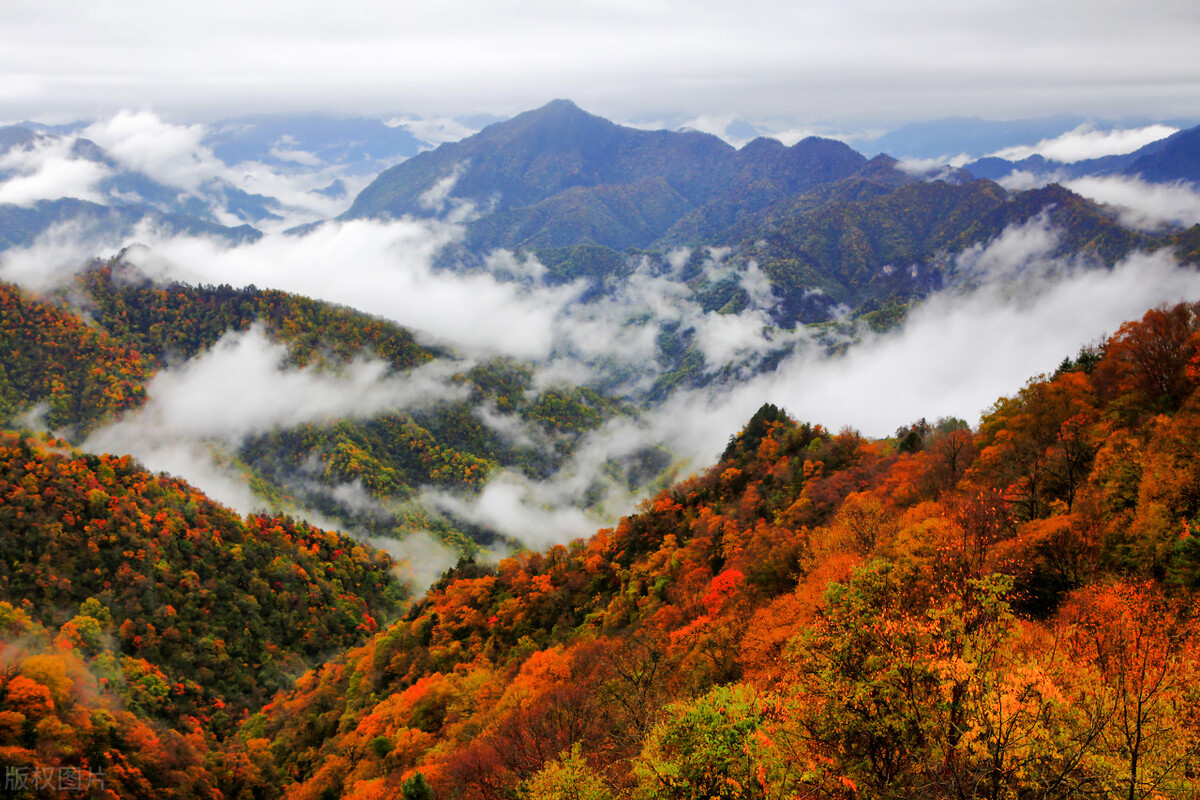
[(50, 357), (74, 720), (228, 608), (1001, 613), (140, 622)]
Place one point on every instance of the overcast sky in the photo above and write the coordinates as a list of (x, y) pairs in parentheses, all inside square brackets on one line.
[(815, 60)]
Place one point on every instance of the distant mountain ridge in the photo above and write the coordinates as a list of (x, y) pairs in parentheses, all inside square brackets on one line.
[(943, 138), (558, 176), (1175, 158), (20, 226), (122, 187), (832, 231), (289, 155)]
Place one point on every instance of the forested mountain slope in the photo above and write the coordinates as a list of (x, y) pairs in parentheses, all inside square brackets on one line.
[(142, 621), (1007, 612), (558, 176)]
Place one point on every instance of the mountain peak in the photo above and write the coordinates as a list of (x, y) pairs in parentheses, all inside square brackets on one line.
[(560, 103), (573, 165), (558, 118), (557, 110), (763, 144)]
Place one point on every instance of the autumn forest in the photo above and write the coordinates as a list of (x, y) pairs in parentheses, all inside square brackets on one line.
[(998, 612), (261, 544)]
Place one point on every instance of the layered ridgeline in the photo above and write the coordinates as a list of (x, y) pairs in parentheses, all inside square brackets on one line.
[(428, 419), (22, 226), (116, 202), (831, 230), (949, 613)]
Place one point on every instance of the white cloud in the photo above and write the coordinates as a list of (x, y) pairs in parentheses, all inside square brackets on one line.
[(302, 157), (1020, 180), (724, 338), (757, 285), (382, 268), (47, 171), (386, 268), (1147, 206), (299, 194), (511, 428), (170, 154), (436, 197), (1087, 142), (1021, 250), (198, 413), (955, 356), (205, 465), (57, 254), (434, 131), (241, 387), (790, 135), (717, 125), (532, 513), (932, 168), (421, 558), (1143, 205), (55, 179)]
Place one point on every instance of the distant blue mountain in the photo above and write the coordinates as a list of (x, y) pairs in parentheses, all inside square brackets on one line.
[(360, 144), (131, 198), (969, 135), (1175, 158), (20, 226)]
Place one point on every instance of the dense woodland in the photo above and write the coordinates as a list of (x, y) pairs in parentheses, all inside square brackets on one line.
[(142, 621), (1006, 612)]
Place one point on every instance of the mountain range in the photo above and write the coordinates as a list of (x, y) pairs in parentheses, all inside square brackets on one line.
[(832, 229), (559, 176), (423, 593), (253, 170), (555, 177)]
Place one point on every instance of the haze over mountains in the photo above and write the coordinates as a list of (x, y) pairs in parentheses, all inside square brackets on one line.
[(448, 459), (668, 270), (805, 407), (265, 171)]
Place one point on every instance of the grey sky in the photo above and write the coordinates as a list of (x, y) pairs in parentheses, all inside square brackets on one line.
[(823, 60)]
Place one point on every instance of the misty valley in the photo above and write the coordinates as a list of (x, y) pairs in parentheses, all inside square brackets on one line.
[(550, 457)]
